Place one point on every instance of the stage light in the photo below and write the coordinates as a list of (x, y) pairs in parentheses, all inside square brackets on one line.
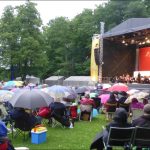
[(132, 41), (147, 41), (123, 41)]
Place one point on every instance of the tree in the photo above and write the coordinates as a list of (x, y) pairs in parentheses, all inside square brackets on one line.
[(58, 41), (82, 29), (140, 11), (8, 38)]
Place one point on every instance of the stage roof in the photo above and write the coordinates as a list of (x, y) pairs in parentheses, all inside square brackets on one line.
[(128, 26), (132, 31)]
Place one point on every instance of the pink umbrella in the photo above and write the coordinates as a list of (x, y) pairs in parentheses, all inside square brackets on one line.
[(119, 87), (104, 98)]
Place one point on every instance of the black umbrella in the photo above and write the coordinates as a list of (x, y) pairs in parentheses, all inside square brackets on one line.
[(31, 99)]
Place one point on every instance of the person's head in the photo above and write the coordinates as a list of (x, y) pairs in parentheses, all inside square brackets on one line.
[(134, 100), (123, 93), (87, 95), (120, 115), (147, 109)]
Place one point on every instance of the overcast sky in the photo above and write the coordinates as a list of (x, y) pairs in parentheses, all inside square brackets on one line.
[(52, 9)]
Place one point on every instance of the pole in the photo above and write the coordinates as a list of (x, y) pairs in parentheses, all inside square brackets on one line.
[(101, 51)]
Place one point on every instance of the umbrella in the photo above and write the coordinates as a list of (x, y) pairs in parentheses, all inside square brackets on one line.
[(31, 99), (106, 86), (12, 84), (5, 95), (119, 87), (104, 98), (82, 89), (58, 92), (132, 91), (139, 96)]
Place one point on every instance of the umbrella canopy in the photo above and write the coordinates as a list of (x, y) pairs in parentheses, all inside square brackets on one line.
[(139, 96), (58, 92), (104, 98), (82, 89), (31, 99), (119, 87), (5, 95), (132, 91), (106, 86), (12, 84)]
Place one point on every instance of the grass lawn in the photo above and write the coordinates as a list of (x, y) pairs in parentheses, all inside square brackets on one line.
[(80, 137)]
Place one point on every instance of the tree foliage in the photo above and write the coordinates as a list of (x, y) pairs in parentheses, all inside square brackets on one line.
[(63, 46)]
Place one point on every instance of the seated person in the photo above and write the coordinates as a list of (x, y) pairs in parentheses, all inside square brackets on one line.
[(122, 96), (144, 120), (3, 112), (4, 141), (97, 102), (22, 118), (136, 104), (112, 101), (59, 112), (120, 120), (87, 101)]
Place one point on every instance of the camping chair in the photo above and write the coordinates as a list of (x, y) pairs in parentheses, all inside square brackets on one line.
[(59, 116), (119, 137), (142, 137), (23, 125), (45, 113), (86, 112), (110, 110), (74, 112)]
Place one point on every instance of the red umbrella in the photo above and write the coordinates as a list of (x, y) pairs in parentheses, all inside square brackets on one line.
[(119, 87)]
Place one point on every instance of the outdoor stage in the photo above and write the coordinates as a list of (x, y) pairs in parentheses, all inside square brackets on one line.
[(127, 48)]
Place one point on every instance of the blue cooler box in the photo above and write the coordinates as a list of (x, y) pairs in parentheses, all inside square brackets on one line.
[(38, 137)]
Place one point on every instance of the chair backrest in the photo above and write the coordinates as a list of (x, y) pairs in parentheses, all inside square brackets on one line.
[(73, 112), (120, 136), (111, 107), (136, 112), (142, 137), (87, 108)]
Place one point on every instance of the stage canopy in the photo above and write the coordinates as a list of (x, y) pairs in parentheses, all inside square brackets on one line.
[(131, 31)]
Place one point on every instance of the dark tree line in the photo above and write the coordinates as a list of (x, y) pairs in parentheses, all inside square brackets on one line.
[(63, 46)]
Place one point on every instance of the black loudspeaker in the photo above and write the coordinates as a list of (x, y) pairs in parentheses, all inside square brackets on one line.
[(96, 54)]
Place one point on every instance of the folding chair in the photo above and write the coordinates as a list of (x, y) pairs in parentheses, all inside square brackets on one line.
[(74, 112), (142, 137), (110, 110), (86, 112), (22, 127), (59, 115), (120, 137)]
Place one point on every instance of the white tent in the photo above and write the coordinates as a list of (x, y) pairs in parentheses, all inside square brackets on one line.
[(54, 80)]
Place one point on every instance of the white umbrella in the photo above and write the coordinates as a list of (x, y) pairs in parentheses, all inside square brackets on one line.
[(5, 95), (58, 92), (139, 96)]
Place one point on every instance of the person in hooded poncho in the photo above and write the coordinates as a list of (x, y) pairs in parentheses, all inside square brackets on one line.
[(120, 120)]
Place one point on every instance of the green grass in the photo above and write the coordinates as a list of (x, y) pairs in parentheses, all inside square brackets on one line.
[(80, 137)]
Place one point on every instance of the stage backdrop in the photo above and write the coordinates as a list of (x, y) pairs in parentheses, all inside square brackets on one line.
[(144, 59)]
